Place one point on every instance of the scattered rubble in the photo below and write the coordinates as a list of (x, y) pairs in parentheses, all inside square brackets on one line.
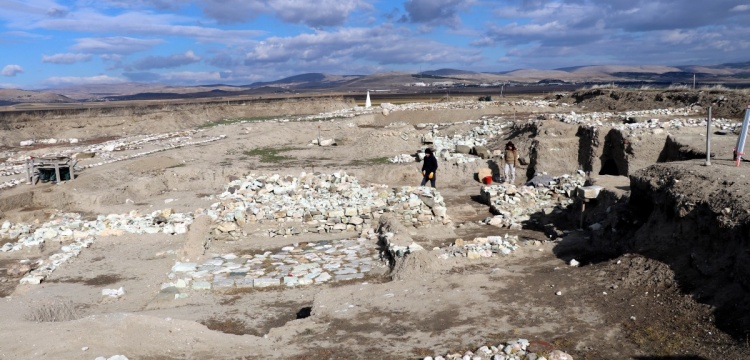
[(481, 247), (515, 205), (326, 203), (320, 203), (511, 350)]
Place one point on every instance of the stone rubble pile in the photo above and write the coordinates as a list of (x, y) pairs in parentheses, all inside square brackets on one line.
[(75, 234), (403, 158), (539, 103), (49, 141), (299, 264), (309, 203), (520, 349), (653, 125), (481, 247), (320, 204), (515, 204), (457, 148), (459, 104)]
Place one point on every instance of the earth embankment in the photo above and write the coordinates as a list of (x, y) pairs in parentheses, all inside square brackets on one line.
[(695, 219), (725, 103), (148, 118)]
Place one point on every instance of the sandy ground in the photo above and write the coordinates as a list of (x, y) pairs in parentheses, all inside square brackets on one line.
[(608, 309)]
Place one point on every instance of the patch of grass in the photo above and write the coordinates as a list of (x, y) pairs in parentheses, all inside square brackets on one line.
[(370, 162), (236, 121), (227, 326), (269, 154), (422, 352), (54, 311), (655, 340)]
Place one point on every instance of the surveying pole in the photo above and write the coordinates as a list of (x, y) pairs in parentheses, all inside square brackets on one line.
[(739, 150), (708, 138)]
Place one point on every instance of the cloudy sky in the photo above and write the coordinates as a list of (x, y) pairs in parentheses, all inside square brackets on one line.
[(56, 43)]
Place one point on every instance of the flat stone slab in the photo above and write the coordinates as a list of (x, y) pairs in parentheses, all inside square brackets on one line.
[(311, 263)]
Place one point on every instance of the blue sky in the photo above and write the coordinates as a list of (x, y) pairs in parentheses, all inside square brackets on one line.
[(55, 43)]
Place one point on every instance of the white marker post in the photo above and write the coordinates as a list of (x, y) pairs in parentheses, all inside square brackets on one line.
[(739, 150), (708, 138)]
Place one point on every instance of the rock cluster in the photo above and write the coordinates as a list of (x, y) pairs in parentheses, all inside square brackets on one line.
[(309, 203), (481, 247), (75, 234), (459, 148), (299, 264), (643, 121), (520, 349), (48, 141), (515, 204), (320, 203)]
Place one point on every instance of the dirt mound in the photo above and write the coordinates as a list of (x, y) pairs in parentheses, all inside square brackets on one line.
[(692, 218), (417, 265), (725, 103)]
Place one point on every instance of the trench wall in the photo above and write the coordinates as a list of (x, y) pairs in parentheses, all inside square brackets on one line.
[(695, 220)]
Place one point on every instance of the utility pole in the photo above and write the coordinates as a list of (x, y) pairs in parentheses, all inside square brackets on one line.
[(693, 81)]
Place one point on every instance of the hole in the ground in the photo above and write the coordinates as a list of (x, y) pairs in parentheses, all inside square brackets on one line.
[(609, 167), (304, 312)]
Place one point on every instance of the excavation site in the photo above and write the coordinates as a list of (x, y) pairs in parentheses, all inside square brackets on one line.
[(298, 229)]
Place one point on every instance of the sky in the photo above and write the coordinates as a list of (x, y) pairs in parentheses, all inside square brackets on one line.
[(55, 43)]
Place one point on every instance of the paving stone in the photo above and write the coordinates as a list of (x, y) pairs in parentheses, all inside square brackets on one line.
[(201, 285), (265, 282)]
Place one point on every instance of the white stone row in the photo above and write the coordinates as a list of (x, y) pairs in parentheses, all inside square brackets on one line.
[(48, 141)]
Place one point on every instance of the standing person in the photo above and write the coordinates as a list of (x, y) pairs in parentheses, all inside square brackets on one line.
[(510, 158), (429, 167)]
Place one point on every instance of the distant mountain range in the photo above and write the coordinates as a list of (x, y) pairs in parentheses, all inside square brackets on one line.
[(729, 73)]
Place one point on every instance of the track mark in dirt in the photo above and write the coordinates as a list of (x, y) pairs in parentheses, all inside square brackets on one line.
[(99, 280), (257, 324), (8, 283)]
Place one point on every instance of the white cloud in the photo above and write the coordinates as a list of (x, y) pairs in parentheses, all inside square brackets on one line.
[(161, 62), (75, 80), (234, 11), (317, 13), (382, 45), (740, 8), (66, 58), (436, 12), (145, 23), (114, 45), (11, 70)]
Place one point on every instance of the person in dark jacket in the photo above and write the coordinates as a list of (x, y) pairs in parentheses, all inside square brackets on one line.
[(429, 168)]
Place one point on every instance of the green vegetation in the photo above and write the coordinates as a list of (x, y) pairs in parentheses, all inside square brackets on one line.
[(270, 155), (236, 121), (370, 162)]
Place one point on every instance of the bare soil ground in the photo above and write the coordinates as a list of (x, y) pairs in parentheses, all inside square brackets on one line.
[(625, 304)]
